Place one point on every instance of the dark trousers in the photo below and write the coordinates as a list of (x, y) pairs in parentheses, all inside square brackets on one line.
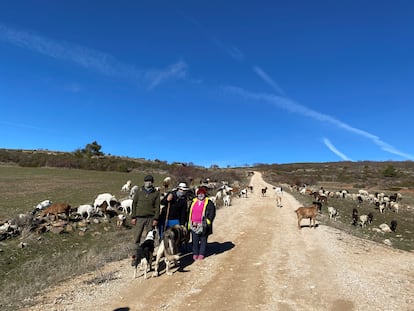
[(143, 226), (199, 243)]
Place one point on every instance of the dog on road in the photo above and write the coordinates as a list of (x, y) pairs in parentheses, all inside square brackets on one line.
[(174, 237), (145, 253)]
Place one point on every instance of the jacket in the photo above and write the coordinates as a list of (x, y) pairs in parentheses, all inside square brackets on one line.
[(177, 210), (209, 212), (146, 203)]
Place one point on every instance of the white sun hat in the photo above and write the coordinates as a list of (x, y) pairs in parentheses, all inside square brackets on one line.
[(182, 185)]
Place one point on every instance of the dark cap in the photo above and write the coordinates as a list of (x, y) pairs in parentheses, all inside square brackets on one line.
[(149, 178), (202, 190)]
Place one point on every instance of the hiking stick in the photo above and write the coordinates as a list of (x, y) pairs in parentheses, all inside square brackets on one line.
[(166, 216)]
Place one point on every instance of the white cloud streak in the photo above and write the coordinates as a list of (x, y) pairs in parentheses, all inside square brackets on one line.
[(334, 150), (266, 78), (174, 71), (291, 106), (90, 59)]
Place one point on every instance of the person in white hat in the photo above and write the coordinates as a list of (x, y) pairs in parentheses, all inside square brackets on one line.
[(175, 208)]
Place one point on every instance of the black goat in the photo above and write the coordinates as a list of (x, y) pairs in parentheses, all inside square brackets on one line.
[(370, 218), (354, 216), (393, 226)]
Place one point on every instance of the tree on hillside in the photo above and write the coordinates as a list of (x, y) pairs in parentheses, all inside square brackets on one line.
[(389, 171), (90, 150)]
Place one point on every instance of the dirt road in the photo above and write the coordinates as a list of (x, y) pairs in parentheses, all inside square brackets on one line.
[(258, 260)]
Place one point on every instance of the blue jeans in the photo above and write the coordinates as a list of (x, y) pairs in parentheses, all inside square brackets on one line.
[(170, 223), (199, 243)]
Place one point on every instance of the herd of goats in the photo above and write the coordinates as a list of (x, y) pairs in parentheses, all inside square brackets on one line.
[(50, 216), (44, 215), (380, 201)]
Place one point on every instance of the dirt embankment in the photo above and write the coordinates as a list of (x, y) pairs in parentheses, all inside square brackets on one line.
[(257, 260)]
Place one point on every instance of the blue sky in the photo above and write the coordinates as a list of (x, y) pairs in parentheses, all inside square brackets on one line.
[(229, 83)]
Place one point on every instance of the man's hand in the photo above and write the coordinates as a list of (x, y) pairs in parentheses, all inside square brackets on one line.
[(155, 223), (133, 221), (170, 197)]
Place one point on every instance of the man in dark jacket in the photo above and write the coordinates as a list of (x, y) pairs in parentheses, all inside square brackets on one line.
[(175, 208), (145, 212)]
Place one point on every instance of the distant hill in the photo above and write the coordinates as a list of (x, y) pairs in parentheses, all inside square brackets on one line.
[(393, 175), (390, 175)]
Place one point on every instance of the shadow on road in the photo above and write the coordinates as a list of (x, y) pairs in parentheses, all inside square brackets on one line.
[(186, 258), (216, 248)]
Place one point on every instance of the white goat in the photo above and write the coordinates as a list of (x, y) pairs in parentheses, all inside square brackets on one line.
[(224, 190), (126, 187), (227, 200), (166, 183), (278, 190), (104, 197), (382, 207), (333, 212), (243, 193), (4, 227), (364, 219), (126, 206), (385, 228), (395, 206), (42, 205), (106, 202), (86, 209), (134, 189), (120, 221), (219, 194), (278, 200)]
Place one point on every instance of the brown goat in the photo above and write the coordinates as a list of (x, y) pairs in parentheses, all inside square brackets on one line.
[(56, 209), (308, 212)]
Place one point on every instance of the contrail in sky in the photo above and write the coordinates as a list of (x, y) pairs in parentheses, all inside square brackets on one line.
[(87, 58), (292, 106), (282, 101), (265, 77), (177, 70), (334, 150)]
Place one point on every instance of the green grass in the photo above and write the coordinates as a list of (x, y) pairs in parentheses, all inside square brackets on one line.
[(23, 188)]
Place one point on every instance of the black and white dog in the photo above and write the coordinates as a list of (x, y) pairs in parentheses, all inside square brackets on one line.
[(144, 254), (174, 237)]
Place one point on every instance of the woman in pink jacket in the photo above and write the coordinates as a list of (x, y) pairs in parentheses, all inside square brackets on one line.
[(200, 222)]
